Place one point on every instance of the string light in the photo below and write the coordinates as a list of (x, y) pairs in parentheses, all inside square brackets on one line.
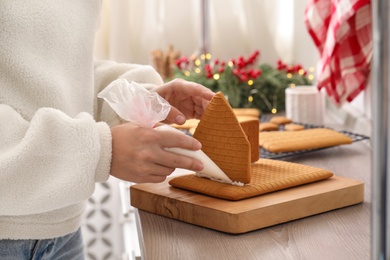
[(271, 107), (255, 91), (250, 82), (216, 76), (311, 76)]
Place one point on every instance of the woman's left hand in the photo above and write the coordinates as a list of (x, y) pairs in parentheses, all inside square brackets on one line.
[(188, 99)]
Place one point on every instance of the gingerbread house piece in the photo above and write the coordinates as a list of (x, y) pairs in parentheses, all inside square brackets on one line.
[(224, 140)]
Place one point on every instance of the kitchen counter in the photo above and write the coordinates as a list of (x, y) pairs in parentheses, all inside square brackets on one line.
[(338, 234)]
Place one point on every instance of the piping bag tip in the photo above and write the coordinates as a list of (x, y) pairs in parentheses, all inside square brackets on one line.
[(210, 168)]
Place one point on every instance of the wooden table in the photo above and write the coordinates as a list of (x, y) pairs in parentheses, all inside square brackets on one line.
[(340, 234)]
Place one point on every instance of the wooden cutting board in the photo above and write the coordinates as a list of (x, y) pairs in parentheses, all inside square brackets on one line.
[(237, 217)]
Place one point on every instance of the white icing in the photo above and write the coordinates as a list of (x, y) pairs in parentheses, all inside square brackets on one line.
[(237, 183)]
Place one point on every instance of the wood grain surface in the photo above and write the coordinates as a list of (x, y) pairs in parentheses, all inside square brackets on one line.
[(337, 234), (248, 214)]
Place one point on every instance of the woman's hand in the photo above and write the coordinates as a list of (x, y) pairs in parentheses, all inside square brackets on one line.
[(138, 153), (188, 99)]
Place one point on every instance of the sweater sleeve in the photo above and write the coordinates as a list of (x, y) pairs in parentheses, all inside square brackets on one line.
[(107, 71), (51, 158)]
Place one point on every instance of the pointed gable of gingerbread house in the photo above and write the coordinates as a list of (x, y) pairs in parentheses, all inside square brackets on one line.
[(224, 140)]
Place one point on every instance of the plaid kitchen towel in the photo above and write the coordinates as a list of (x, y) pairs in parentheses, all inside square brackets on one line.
[(341, 31)]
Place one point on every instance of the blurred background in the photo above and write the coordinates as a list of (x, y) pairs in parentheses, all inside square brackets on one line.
[(132, 30)]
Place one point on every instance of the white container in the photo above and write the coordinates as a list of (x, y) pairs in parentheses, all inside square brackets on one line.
[(305, 104)]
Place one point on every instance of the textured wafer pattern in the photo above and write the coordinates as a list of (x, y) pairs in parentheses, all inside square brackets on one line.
[(224, 140), (289, 141), (267, 175)]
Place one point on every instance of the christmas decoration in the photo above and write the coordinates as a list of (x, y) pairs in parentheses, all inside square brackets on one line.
[(245, 82)]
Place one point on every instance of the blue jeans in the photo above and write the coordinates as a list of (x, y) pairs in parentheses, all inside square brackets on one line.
[(66, 247)]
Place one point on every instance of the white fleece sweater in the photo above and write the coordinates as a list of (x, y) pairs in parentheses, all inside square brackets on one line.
[(54, 146)]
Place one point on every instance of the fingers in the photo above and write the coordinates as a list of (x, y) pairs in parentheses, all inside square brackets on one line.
[(201, 102), (175, 117), (155, 173), (139, 155), (158, 166), (161, 164), (188, 99), (175, 138), (191, 108), (200, 107), (174, 160)]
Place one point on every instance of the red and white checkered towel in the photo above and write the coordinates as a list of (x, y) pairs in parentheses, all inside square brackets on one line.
[(341, 30)]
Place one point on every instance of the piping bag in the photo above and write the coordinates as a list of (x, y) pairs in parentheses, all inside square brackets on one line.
[(136, 104)]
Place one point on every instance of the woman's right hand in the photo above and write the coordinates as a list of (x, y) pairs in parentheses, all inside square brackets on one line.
[(138, 153)]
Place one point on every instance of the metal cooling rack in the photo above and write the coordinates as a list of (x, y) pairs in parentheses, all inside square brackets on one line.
[(269, 155)]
